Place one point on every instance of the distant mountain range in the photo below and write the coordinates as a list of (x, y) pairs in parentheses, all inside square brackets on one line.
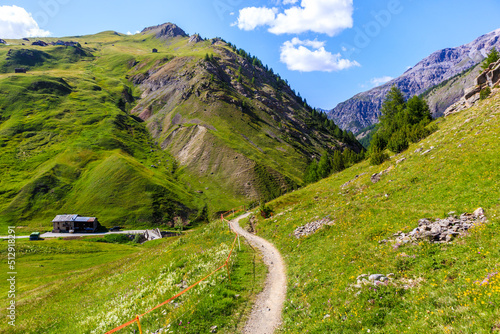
[(363, 109)]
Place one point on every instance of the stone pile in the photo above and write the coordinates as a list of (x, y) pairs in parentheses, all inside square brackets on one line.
[(375, 280), (441, 230), (311, 227)]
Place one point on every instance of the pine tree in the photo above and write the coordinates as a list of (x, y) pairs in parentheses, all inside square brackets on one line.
[(393, 104), (492, 57), (324, 167), (338, 162), (311, 175)]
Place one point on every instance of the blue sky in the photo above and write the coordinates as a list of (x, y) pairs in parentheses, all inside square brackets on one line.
[(328, 50)]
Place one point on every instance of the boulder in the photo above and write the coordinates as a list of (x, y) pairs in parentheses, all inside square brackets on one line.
[(479, 213), (2, 41)]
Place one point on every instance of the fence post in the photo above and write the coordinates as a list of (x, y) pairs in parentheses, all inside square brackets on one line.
[(139, 324)]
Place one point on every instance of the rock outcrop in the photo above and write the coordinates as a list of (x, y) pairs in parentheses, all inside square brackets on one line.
[(363, 109), (195, 39), (2, 41), (165, 31), (490, 78)]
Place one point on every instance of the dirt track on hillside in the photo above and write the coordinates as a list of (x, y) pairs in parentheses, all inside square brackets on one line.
[(266, 313)]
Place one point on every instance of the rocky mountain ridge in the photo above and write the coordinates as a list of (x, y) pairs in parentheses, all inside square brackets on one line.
[(363, 109)]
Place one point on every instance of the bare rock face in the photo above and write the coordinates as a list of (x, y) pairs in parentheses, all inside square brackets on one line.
[(363, 109), (2, 41), (195, 39), (166, 30), (489, 78)]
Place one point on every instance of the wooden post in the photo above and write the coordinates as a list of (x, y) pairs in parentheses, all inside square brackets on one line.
[(239, 246)]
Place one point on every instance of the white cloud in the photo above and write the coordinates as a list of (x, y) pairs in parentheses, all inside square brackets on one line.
[(321, 16), (298, 57), (252, 17), (379, 81), (16, 22)]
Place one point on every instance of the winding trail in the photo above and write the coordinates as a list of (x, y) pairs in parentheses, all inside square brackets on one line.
[(266, 313)]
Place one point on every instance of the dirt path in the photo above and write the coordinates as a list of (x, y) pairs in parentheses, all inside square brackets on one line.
[(266, 313)]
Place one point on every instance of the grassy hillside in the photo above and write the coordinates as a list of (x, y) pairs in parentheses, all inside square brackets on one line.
[(84, 286), (450, 288), (109, 128), (68, 147)]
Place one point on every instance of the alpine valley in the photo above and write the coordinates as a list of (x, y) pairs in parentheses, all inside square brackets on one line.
[(175, 133)]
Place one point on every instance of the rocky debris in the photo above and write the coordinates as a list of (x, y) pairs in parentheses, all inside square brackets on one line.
[(376, 177), (166, 30), (182, 285), (39, 43), (489, 78), (349, 182), (213, 329), (400, 160), (311, 227), (427, 151), (441, 230), (195, 39), (375, 280)]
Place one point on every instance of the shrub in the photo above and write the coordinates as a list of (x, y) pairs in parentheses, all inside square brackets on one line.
[(398, 142), (265, 210), (485, 93), (378, 157)]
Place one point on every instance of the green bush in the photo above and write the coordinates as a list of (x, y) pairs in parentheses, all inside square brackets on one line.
[(265, 210), (485, 93), (398, 142), (378, 157)]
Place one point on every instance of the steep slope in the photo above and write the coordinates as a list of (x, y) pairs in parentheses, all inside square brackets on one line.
[(363, 109), (441, 96), (139, 129), (236, 128), (434, 288), (68, 148)]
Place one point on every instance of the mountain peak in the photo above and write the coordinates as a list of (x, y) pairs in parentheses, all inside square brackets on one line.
[(363, 109), (166, 30)]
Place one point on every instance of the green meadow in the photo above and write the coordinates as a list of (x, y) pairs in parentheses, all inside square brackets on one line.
[(437, 288), (90, 286)]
